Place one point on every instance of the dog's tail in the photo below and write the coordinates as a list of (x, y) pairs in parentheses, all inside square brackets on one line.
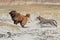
[(27, 15)]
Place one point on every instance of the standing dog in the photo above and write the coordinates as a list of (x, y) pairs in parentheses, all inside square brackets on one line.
[(44, 21), (19, 18)]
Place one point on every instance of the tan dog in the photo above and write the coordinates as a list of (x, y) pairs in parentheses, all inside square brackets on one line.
[(44, 21), (19, 18)]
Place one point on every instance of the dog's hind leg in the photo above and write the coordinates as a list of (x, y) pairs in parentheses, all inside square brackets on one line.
[(52, 23), (23, 22), (22, 25)]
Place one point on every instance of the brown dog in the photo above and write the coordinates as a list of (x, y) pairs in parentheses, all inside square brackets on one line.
[(19, 18), (44, 21)]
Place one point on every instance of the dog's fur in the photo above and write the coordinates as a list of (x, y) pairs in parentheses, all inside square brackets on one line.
[(44, 21), (19, 18)]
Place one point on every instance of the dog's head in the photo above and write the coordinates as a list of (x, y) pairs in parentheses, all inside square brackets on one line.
[(12, 13), (38, 17)]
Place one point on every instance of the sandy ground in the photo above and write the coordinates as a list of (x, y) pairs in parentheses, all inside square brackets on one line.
[(33, 30)]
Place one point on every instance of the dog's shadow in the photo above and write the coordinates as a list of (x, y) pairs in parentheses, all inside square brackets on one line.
[(25, 27), (45, 25)]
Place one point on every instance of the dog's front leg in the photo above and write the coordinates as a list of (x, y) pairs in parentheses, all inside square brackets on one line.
[(15, 22)]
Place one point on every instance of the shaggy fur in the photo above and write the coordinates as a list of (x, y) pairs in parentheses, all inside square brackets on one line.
[(19, 18), (44, 21)]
